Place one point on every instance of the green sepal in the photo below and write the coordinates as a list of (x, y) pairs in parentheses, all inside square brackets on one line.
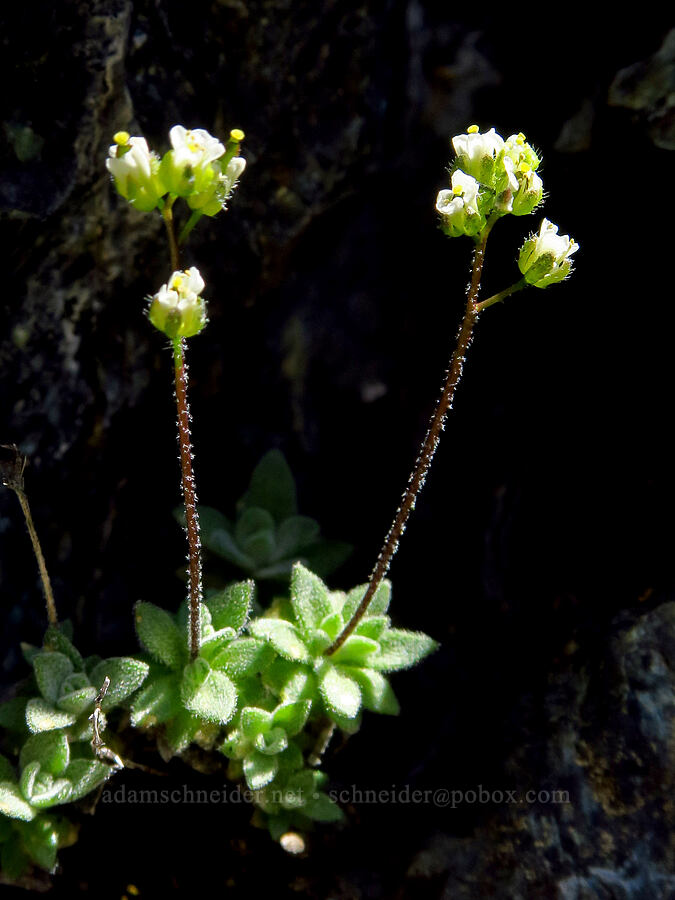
[(231, 607), (13, 804), (160, 635), (259, 769), (41, 716), (401, 649), (49, 748), (282, 636), (208, 693), (51, 669), (340, 693), (126, 676), (309, 598)]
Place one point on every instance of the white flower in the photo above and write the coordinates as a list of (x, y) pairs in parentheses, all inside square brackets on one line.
[(545, 257), (177, 308), (132, 165), (475, 147), (195, 148), (459, 206)]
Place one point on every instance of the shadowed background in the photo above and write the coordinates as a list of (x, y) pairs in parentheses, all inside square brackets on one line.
[(540, 552)]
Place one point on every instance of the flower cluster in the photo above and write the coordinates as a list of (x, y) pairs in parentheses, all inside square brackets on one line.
[(198, 168), (490, 176), (545, 257), (177, 309)]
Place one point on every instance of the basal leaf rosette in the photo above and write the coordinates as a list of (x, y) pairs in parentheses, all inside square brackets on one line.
[(354, 677)]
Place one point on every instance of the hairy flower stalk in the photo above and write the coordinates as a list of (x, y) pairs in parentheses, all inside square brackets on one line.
[(489, 178)]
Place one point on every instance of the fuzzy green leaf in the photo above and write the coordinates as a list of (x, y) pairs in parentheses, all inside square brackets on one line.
[(49, 748), (378, 605), (259, 769), (272, 487), (216, 643), (157, 701), (86, 774), (340, 693), (77, 701), (51, 669), (126, 676), (290, 682), (283, 637), (272, 743), (373, 627), (254, 721), (259, 547), (309, 598), (321, 808), (356, 651), (41, 716), (41, 840), (12, 803), (295, 533), (56, 640), (401, 649), (231, 607), (376, 692), (223, 544), (208, 693), (324, 557), (292, 716), (180, 731), (160, 635), (210, 520), (244, 657), (48, 791)]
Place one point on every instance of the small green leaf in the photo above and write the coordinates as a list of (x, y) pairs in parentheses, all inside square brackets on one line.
[(377, 606), (41, 716), (259, 769), (212, 697), (298, 790), (6, 769), (332, 625), (216, 643), (259, 547), (295, 533), (181, 730), (56, 640), (272, 487), (157, 701), (271, 743), (292, 716), (84, 775), (51, 792), (356, 651), (254, 721), (126, 676), (231, 607), (324, 557), (223, 544), (340, 693), (77, 701), (401, 649), (210, 520), (290, 682), (321, 808), (41, 840), (244, 657), (12, 803), (160, 635), (309, 598), (373, 627), (27, 779), (49, 748), (376, 692), (282, 636), (51, 670)]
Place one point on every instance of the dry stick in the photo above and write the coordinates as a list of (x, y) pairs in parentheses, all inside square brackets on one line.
[(187, 474), (426, 454), (13, 478)]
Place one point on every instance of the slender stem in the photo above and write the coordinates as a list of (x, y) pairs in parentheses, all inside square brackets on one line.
[(189, 225), (167, 213), (189, 496), (37, 549), (429, 445), (502, 295)]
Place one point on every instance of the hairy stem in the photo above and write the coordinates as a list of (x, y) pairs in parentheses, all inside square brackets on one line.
[(502, 295), (189, 496), (429, 445)]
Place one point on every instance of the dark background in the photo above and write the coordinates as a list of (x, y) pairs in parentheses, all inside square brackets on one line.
[(541, 547)]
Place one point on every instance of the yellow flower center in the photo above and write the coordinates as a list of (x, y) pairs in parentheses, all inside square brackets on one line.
[(121, 138), (472, 129), (237, 134)]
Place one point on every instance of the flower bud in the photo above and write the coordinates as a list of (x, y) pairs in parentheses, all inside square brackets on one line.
[(545, 257), (177, 308), (459, 207), (478, 154), (134, 169), (215, 198), (188, 169)]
